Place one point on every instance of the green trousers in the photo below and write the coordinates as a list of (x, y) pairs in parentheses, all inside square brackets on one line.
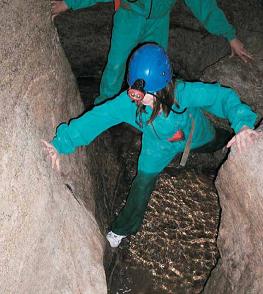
[(129, 30), (130, 218)]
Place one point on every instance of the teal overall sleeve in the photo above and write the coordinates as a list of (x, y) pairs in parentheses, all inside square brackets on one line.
[(83, 130), (212, 18), (78, 4), (221, 101)]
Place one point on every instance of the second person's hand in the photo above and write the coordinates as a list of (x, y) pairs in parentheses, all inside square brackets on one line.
[(238, 48)]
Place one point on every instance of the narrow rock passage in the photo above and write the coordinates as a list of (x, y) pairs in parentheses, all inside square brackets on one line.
[(176, 247)]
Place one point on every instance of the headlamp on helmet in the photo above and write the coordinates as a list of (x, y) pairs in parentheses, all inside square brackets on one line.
[(136, 92)]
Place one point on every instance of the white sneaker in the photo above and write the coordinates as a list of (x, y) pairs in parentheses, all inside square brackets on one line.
[(114, 239)]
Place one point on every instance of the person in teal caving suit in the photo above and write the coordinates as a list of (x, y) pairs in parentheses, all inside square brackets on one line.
[(169, 114), (140, 21)]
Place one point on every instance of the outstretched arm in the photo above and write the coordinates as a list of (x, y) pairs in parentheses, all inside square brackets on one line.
[(212, 18), (215, 21), (221, 101), (224, 103), (83, 130)]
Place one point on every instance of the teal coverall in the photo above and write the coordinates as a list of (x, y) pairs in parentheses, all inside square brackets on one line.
[(157, 151), (147, 21)]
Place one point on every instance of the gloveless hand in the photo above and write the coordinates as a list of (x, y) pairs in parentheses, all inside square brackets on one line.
[(57, 7), (52, 154), (243, 139), (238, 48)]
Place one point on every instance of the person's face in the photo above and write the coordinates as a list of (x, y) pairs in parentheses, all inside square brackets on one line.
[(141, 98), (148, 99)]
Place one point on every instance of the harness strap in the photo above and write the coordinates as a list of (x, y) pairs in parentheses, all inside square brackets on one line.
[(188, 144)]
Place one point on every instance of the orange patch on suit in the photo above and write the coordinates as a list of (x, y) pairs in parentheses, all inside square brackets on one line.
[(178, 136)]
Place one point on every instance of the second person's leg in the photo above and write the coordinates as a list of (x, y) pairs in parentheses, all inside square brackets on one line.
[(157, 30), (127, 27)]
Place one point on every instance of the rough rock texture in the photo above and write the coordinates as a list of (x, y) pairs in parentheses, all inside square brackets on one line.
[(240, 187), (49, 241), (108, 171), (193, 49), (240, 180), (246, 79)]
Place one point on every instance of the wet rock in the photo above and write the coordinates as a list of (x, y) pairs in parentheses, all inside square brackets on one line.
[(177, 243)]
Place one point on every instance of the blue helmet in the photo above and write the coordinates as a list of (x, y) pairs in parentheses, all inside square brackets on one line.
[(151, 64)]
